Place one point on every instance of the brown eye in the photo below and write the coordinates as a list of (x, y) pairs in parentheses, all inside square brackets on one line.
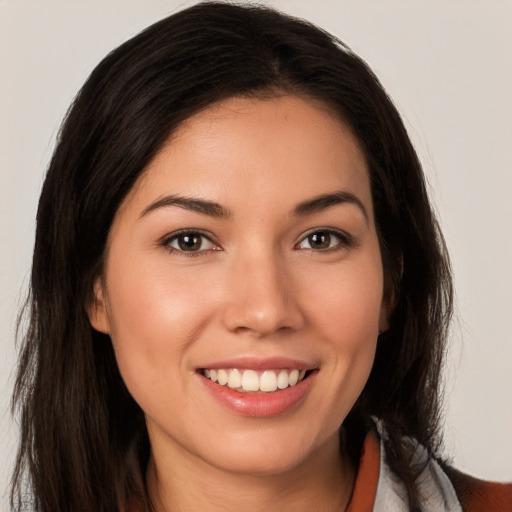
[(190, 242), (319, 240), (324, 240)]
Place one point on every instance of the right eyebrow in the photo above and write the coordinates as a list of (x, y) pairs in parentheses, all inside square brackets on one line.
[(202, 206), (325, 201)]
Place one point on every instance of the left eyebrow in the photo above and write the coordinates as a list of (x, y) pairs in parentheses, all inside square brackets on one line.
[(324, 201), (202, 206)]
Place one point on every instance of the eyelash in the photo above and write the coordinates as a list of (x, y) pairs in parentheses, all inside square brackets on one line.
[(344, 241)]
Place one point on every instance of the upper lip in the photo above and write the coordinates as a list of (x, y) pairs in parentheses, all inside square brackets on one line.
[(258, 363)]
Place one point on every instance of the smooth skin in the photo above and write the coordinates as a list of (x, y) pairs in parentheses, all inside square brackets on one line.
[(253, 276)]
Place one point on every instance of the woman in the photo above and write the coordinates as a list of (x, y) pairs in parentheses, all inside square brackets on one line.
[(240, 294)]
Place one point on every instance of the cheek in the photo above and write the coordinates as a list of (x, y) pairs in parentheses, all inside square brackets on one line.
[(154, 317), (346, 315), (153, 302), (346, 301)]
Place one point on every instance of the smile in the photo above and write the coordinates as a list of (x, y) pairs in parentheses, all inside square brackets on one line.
[(251, 381)]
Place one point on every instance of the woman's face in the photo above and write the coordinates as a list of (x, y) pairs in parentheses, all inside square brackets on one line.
[(246, 253)]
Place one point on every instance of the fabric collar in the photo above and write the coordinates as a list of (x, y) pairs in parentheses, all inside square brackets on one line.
[(378, 489)]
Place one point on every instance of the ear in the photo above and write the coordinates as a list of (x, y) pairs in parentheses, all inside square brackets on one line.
[(385, 312), (389, 300), (97, 309)]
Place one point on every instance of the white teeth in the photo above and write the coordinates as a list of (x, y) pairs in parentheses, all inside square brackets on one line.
[(266, 381), (234, 379), (250, 381), (282, 379), (222, 377), (294, 377)]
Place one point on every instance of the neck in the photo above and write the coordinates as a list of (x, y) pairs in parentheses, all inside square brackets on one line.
[(322, 482)]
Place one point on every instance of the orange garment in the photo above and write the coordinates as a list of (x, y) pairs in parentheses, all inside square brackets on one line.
[(475, 495), (365, 488), (481, 496)]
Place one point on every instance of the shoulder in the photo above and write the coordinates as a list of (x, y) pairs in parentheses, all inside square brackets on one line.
[(440, 486), (478, 495)]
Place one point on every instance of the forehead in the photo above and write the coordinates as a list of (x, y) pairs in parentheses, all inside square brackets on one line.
[(257, 151)]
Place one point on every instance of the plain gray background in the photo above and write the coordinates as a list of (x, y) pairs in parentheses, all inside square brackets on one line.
[(448, 66)]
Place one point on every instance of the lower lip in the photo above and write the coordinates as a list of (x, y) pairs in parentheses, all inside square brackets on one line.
[(260, 405)]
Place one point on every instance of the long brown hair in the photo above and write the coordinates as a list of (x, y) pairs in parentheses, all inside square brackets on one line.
[(84, 444)]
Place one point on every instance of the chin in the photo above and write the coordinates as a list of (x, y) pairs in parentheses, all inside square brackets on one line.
[(264, 454), (260, 464)]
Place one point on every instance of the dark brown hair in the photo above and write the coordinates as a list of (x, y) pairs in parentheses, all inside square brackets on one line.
[(84, 443)]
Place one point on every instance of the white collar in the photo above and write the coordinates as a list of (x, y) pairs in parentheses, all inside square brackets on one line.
[(436, 490)]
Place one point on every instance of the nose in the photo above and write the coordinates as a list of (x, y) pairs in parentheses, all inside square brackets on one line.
[(260, 299)]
